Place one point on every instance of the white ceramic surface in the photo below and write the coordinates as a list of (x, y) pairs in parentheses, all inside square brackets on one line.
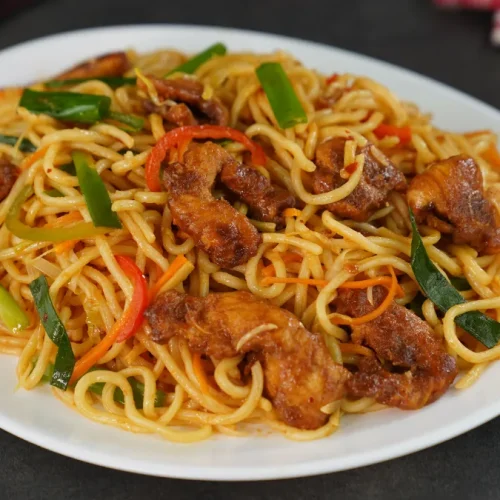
[(41, 419)]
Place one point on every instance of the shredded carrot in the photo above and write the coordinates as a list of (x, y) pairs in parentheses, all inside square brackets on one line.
[(65, 219), (177, 263), (292, 212), (491, 155), (200, 373), (348, 348), (379, 280), (301, 281), (474, 133), (290, 257), (181, 150), (332, 78), (376, 312), (268, 271), (39, 153), (65, 246)]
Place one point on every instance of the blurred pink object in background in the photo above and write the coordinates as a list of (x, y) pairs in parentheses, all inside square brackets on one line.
[(478, 4)]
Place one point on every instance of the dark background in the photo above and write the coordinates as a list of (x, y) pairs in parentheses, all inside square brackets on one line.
[(451, 46)]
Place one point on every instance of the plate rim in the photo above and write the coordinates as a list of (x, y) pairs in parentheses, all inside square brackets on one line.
[(459, 426)]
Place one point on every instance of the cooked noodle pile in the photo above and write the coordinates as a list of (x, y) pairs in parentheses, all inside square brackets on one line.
[(90, 291)]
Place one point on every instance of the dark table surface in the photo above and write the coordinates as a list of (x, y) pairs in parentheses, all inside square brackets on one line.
[(450, 46)]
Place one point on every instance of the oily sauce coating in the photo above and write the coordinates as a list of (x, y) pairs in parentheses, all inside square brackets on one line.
[(188, 94), (449, 197), (225, 234), (266, 202), (113, 64), (401, 338), (377, 181), (8, 177), (300, 376)]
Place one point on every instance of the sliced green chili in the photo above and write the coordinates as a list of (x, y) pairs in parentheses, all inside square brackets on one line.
[(67, 106), (21, 230), (286, 106), (191, 65), (65, 359), (69, 168), (11, 314), (461, 284), (134, 122), (113, 81), (443, 295), (94, 191), (26, 146)]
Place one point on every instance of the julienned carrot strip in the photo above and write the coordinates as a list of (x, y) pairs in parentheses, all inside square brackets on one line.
[(65, 246), (292, 212), (177, 263), (343, 320), (491, 155), (65, 219), (34, 157), (268, 271), (379, 280), (201, 376), (181, 150), (349, 348)]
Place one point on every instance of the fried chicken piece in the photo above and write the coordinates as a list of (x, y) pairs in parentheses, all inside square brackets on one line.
[(266, 202), (379, 178), (401, 338), (300, 376), (190, 93), (113, 64), (225, 234), (8, 176), (449, 197)]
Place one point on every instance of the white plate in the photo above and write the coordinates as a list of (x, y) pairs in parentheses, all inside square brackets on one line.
[(39, 418)]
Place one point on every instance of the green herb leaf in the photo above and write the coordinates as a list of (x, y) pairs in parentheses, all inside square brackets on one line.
[(11, 314), (443, 295), (94, 191), (461, 284), (65, 359), (113, 81), (286, 106), (66, 106), (191, 65), (26, 146)]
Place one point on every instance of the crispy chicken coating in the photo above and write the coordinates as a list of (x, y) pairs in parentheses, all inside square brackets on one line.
[(379, 178), (399, 338), (8, 177), (113, 64), (449, 196), (225, 234), (299, 374), (189, 94)]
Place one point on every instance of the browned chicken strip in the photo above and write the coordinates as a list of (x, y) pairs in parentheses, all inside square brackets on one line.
[(113, 64), (266, 201), (216, 227), (189, 93), (400, 338), (379, 178), (449, 196), (8, 176), (300, 375)]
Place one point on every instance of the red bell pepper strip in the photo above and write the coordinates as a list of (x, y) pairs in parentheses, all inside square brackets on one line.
[(384, 130), (179, 135), (125, 327)]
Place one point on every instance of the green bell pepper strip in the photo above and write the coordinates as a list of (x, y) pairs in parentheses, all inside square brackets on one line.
[(67, 106), (113, 81), (94, 191), (69, 168), (436, 287), (11, 314), (75, 107), (65, 359), (56, 235), (286, 106), (26, 146), (191, 65), (134, 122)]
